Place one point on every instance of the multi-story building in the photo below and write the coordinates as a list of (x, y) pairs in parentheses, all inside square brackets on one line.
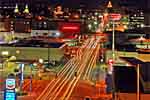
[(147, 17), (136, 19), (19, 12), (7, 6), (35, 6)]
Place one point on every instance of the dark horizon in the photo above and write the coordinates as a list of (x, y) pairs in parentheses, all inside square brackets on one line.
[(85, 3), (99, 3)]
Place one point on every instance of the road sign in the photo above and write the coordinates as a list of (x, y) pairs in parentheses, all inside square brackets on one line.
[(10, 84), (115, 16)]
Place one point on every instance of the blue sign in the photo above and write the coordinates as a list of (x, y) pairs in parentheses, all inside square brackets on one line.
[(9, 95)]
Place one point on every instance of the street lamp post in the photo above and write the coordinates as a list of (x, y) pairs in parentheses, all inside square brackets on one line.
[(113, 59), (41, 61), (138, 82), (113, 41), (114, 17)]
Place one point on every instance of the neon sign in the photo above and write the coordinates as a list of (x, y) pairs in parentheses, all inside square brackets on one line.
[(143, 46), (115, 16), (70, 28)]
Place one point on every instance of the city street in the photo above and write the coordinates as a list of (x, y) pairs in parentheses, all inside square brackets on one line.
[(74, 49)]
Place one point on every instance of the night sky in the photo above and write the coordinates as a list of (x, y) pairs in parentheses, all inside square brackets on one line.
[(98, 3)]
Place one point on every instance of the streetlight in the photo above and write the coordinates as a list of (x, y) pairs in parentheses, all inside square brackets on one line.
[(34, 64), (113, 41), (41, 61), (17, 51), (114, 17), (4, 53), (143, 26), (138, 82)]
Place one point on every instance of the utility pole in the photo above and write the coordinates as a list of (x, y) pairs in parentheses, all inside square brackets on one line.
[(138, 82), (114, 17), (113, 41)]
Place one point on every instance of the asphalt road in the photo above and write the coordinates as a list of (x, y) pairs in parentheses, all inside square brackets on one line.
[(82, 90)]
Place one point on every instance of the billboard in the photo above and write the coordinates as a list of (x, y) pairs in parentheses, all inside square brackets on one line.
[(115, 16), (69, 29)]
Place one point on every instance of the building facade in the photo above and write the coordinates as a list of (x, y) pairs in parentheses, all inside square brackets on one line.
[(136, 19), (147, 17), (35, 6)]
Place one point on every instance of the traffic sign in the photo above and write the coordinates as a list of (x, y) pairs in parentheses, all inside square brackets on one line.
[(115, 16), (10, 84)]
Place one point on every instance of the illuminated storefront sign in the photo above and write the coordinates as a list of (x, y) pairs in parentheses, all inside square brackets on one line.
[(115, 16), (9, 93), (143, 46), (10, 84), (69, 27)]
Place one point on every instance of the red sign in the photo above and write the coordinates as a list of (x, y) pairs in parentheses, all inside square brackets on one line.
[(115, 16), (69, 29)]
